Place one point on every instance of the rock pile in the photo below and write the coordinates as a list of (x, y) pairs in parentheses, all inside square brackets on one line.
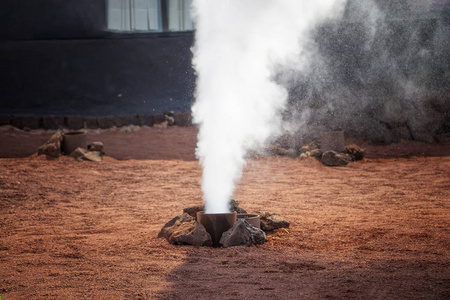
[(53, 148), (185, 230), (332, 158)]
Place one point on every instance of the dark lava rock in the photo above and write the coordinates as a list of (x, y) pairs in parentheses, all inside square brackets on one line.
[(193, 210), (334, 159), (234, 206), (184, 230), (242, 234), (355, 152), (271, 221), (96, 146), (53, 146)]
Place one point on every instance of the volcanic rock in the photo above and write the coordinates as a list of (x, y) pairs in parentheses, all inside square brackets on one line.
[(193, 210), (53, 146), (242, 234), (184, 230), (333, 159), (355, 152), (271, 221), (234, 206), (96, 146), (81, 154)]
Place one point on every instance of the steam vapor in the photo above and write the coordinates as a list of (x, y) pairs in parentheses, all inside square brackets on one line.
[(239, 46)]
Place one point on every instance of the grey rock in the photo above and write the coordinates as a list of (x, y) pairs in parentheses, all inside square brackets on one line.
[(334, 159), (271, 221), (242, 234), (52, 147)]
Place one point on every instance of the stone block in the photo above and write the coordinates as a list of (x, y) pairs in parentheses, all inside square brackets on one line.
[(125, 120), (90, 123), (105, 122), (5, 120), (75, 122), (158, 119), (145, 120), (183, 119), (52, 122), (26, 122)]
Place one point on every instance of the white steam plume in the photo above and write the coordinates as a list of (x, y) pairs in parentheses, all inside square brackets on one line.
[(238, 44)]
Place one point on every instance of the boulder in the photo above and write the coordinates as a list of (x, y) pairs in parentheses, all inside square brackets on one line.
[(184, 230), (193, 210), (355, 152), (316, 153), (334, 159), (271, 221), (53, 146), (96, 146), (81, 153), (242, 234)]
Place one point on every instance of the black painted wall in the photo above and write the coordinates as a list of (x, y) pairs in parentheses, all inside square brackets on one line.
[(58, 58)]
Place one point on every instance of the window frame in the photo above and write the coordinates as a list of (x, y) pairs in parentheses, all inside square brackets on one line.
[(165, 32)]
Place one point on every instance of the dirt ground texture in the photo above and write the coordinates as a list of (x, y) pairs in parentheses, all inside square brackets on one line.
[(375, 229)]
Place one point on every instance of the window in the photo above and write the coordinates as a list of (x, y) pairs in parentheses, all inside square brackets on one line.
[(149, 15)]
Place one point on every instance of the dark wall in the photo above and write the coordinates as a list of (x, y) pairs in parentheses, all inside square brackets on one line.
[(52, 19), (57, 58)]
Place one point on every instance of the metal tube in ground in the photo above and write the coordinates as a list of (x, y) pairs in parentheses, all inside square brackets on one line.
[(216, 224)]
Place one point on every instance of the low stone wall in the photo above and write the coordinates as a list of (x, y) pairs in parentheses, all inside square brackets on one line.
[(30, 122)]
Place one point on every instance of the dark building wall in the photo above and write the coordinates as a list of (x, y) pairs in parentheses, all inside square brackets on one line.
[(58, 58), (52, 19)]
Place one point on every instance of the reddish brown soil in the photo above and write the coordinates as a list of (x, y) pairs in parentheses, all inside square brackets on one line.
[(375, 229)]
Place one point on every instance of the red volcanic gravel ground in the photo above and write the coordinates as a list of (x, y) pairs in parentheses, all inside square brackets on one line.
[(374, 229)]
